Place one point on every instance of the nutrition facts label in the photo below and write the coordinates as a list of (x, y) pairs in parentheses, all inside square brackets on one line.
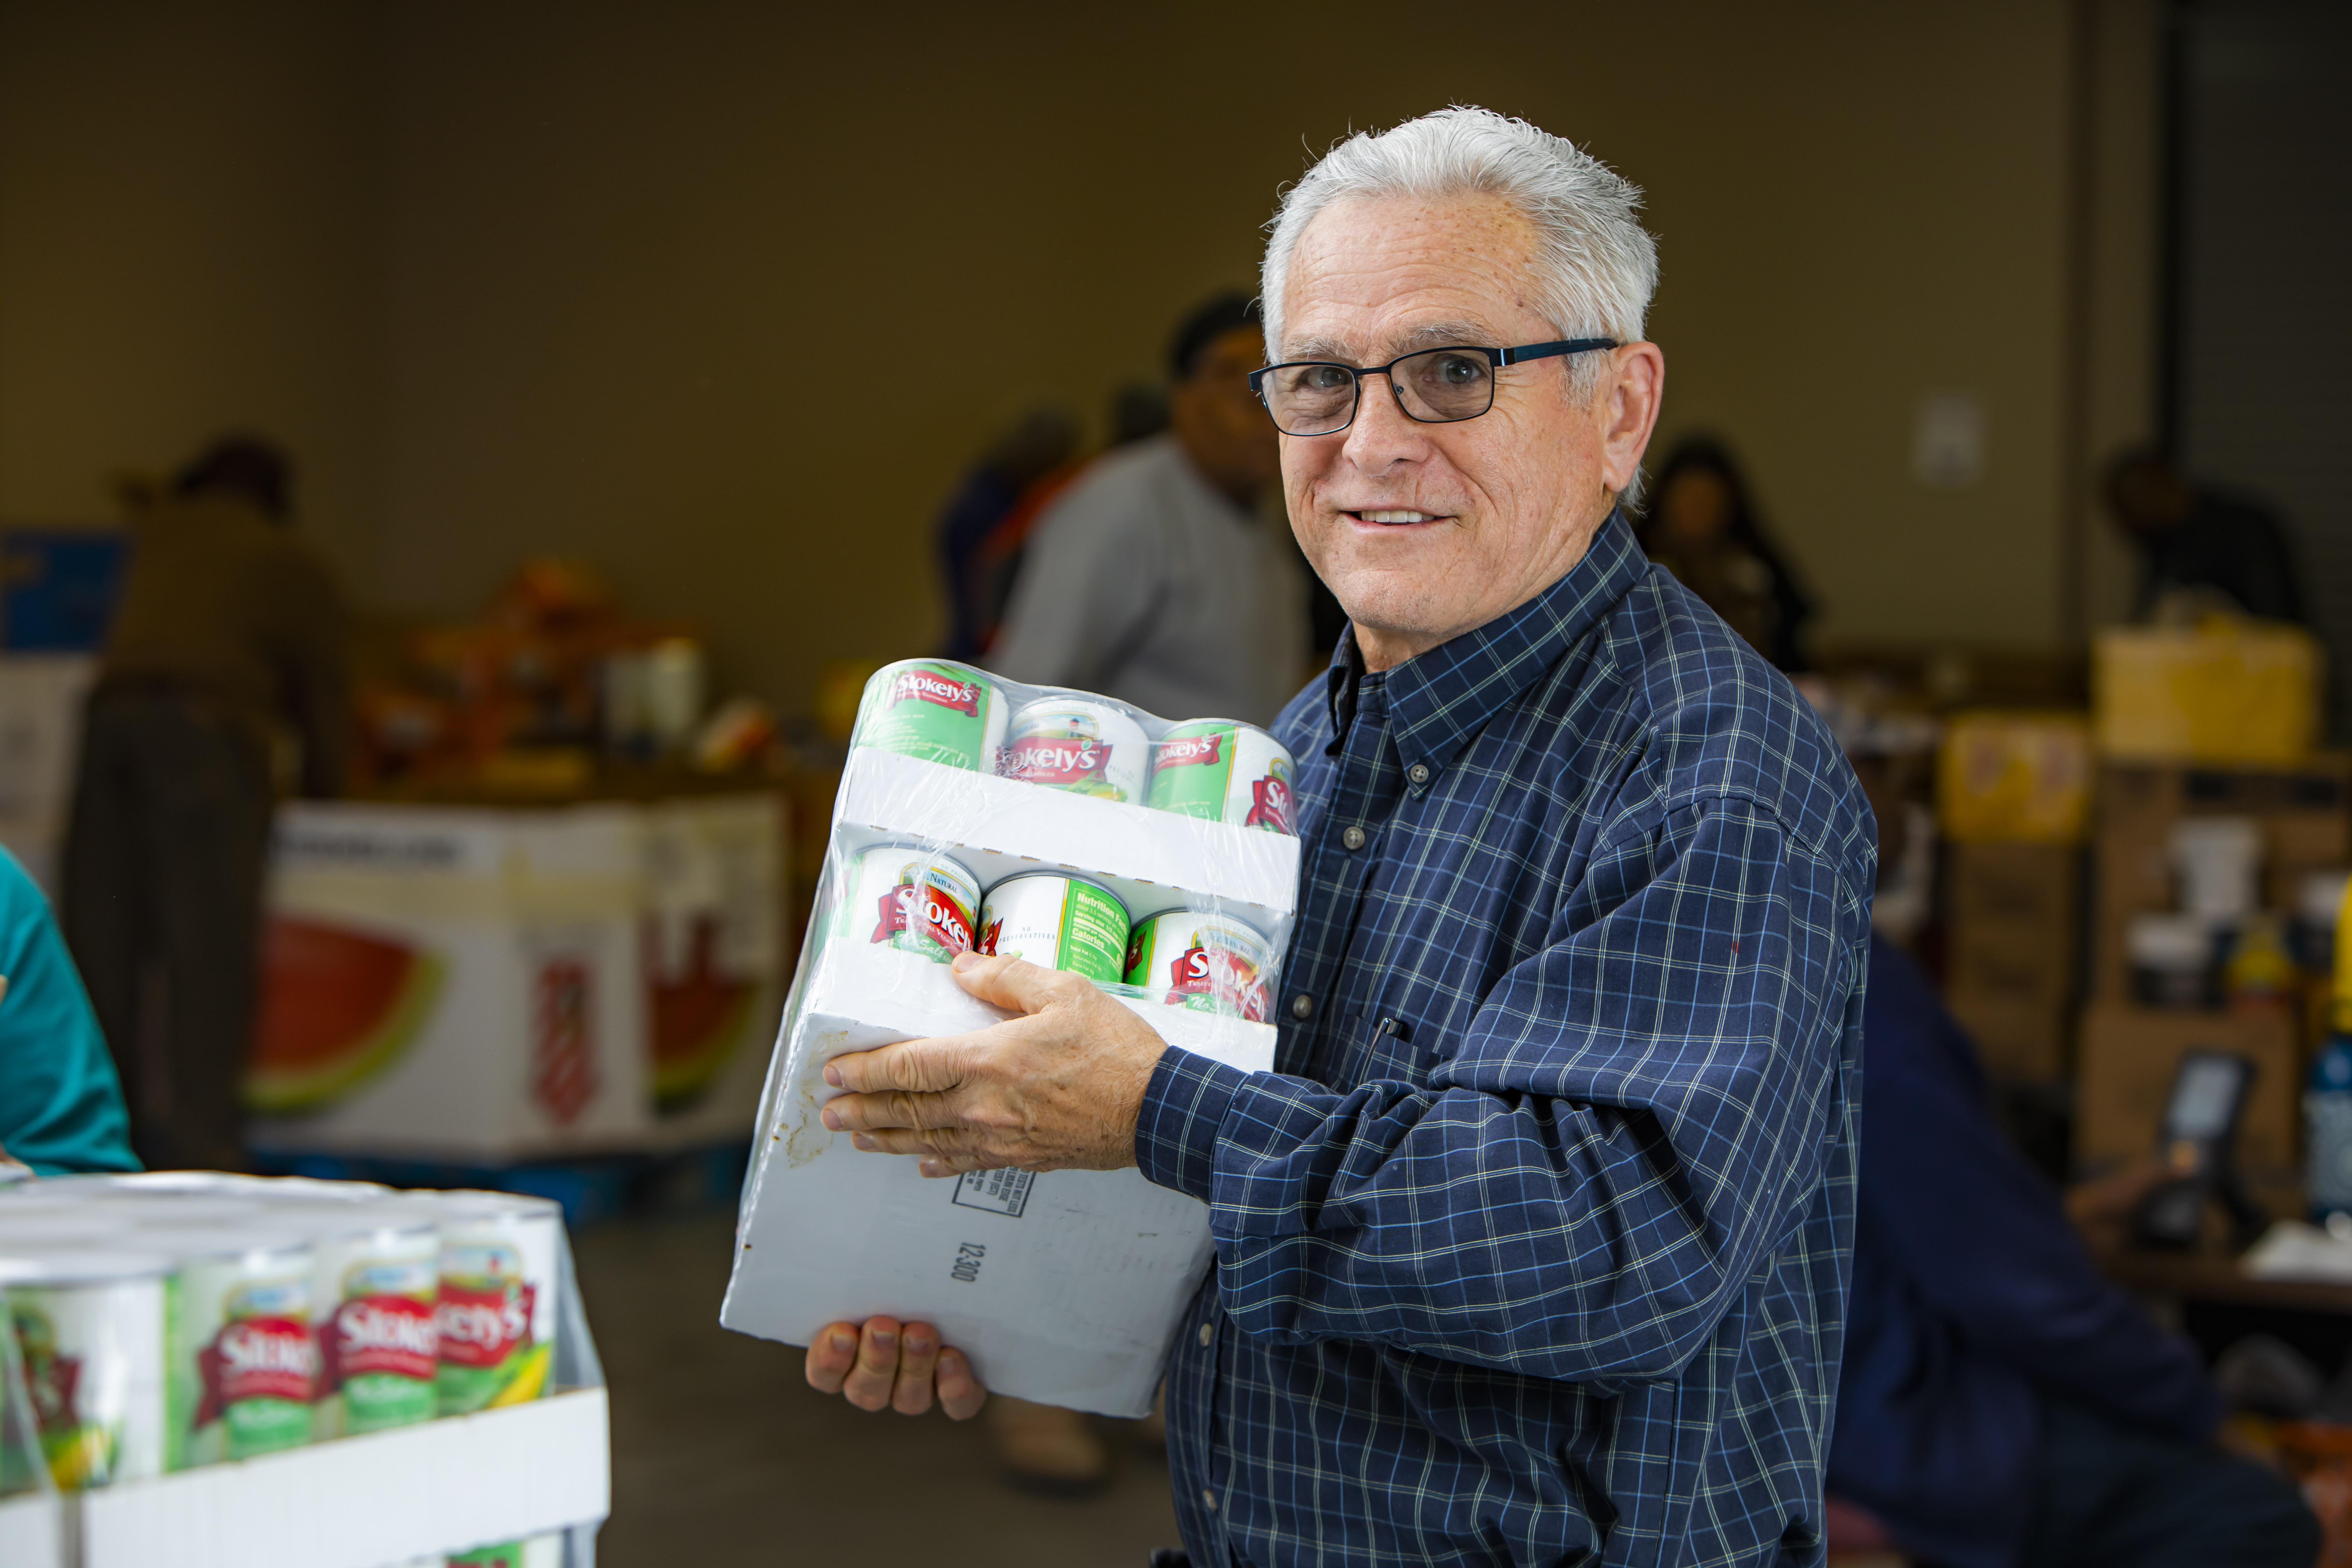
[(998, 1192)]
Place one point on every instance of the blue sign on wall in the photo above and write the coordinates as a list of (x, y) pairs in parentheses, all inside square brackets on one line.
[(59, 588)]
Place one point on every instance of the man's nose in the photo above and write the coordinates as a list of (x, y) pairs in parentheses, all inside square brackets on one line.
[(1381, 434)]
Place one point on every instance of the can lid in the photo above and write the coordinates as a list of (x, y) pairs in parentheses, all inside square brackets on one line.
[(188, 1244), (70, 1265), (1227, 916), (485, 1200), (45, 1226), (160, 1209), (1097, 885), (328, 1220), (305, 1191)]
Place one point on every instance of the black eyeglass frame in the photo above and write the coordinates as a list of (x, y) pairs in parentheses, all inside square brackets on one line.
[(1495, 360)]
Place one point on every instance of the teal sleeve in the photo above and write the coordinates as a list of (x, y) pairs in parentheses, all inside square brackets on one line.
[(60, 1104)]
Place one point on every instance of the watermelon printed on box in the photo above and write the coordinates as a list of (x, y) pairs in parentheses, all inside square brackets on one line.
[(452, 980)]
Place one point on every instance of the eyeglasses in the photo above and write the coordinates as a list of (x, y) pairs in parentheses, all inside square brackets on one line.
[(1435, 386)]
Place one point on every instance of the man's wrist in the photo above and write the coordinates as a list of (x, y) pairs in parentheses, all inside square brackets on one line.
[(1176, 1129)]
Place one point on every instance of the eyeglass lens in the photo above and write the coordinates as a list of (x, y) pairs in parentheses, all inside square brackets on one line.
[(1437, 387)]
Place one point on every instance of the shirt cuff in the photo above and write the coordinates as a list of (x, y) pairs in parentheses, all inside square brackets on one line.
[(1183, 1108)]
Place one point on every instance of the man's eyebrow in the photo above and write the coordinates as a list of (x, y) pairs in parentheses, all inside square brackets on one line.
[(1435, 335)]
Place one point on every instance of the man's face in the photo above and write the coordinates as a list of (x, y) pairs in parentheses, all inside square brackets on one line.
[(1425, 531), (1218, 420)]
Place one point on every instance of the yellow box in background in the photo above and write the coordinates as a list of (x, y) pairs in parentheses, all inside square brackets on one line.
[(2224, 692), (2014, 778)]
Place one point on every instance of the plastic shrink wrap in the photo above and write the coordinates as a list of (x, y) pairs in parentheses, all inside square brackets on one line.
[(1157, 859)]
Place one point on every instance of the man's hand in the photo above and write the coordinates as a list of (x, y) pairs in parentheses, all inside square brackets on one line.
[(1056, 1088), (901, 1367), (2103, 1207)]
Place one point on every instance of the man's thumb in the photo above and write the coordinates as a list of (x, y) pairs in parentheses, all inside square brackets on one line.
[(1013, 983)]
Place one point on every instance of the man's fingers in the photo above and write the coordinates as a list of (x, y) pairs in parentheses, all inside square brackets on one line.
[(1013, 983), (831, 1355), (919, 1067), (919, 1359), (961, 1394), (872, 1379)]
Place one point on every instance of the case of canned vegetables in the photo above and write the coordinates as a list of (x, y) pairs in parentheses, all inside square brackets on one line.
[(1157, 859), (207, 1369)]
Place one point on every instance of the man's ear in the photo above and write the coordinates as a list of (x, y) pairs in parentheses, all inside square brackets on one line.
[(1627, 403)]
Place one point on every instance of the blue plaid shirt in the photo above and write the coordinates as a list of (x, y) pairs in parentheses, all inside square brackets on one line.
[(1535, 1247)]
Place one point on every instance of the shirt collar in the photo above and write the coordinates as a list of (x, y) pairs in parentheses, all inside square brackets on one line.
[(1440, 699)]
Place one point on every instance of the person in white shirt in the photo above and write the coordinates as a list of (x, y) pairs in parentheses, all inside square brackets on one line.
[(1153, 578)]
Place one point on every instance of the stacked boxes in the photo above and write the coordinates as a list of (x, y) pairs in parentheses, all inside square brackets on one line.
[(2298, 820), (978, 814), (2013, 792)]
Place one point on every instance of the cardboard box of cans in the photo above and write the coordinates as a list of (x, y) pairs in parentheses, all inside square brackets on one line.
[(1156, 859), (178, 1336)]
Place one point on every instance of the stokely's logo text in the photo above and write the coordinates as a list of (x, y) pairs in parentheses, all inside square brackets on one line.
[(927, 686)]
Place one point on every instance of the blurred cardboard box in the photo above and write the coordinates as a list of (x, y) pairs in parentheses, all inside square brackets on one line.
[(2226, 692), (2129, 1055), (2011, 916), (2014, 778), (2304, 823)]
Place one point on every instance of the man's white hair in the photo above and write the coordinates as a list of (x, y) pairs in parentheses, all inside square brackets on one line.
[(1596, 266)]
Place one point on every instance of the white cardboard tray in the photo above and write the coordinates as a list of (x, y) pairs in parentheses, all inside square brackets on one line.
[(448, 1485), (32, 1531)]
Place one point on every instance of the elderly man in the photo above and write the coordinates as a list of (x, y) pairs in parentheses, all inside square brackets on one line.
[(1535, 1247)]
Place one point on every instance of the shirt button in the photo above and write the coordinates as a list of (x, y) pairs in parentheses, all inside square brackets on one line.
[(1208, 1332), (1301, 1005), (1418, 772), (1208, 1499), (1353, 839)]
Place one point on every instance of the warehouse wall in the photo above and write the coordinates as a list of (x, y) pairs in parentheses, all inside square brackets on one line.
[(723, 297), (189, 228)]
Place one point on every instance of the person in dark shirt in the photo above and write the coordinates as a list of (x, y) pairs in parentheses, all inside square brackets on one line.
[(1701, 525), (2196, 545), (2001, 1402)]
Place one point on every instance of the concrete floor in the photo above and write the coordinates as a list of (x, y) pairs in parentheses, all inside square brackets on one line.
[(722, 1455)]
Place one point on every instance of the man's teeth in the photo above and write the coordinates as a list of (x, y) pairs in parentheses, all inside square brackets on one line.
[(1397, 516)]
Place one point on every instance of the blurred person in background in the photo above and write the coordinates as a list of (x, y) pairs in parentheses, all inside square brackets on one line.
[(2199, 549), (1701, 526), (61, 1106), (231, 640), (2003, 1403), (1153, 578), (985, 525)]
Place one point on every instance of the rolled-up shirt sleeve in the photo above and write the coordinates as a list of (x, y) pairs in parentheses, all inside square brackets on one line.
[(1635, 1117)]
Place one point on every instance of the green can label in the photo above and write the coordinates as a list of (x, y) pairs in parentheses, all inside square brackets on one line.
[(903, 897), (1061, 922), (381, 1350), (1220, 771), (942, 712), (490, 1355), (248, 1389)]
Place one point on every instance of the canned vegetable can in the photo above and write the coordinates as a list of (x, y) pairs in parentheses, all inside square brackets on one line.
[(498, 1300), (1061, 922), (89, 1331), (376, 1274), (1083, 744), (913, 900), (1223, 771), (932, 709), (1206, 962), (242, 1367)]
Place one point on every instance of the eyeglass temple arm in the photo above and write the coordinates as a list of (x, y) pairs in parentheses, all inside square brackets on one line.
[(1546, 351)]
